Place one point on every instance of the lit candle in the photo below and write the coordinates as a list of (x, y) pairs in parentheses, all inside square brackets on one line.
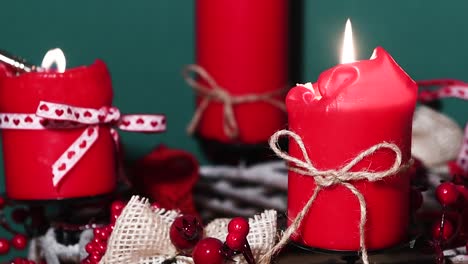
[(29, 153), (352, 107)]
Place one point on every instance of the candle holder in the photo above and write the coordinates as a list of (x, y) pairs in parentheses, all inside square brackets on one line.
[(352, 257), (416, 244), (61, 221), (234, 153)]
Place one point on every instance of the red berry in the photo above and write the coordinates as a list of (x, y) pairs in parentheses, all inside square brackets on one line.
[(101, 234), (454, 169), (239, 225), (185, 232), (447, 193), (208, 251), (4, 246), (95, 256), (114, 218), (447, 232), (20, 215), (18, 261), (2, 202), (235, 241), (90, 247), (117, 207), (109, 229), (19, 241), (101, 248), (86, 261), (21, 261), (97, 231), (155, 205), (416, 199)]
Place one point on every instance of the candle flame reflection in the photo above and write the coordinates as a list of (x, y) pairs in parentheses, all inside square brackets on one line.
[(54, 57), (347, 52)]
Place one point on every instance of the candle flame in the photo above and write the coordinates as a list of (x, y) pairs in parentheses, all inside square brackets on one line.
[(347, 52), (54, 57)]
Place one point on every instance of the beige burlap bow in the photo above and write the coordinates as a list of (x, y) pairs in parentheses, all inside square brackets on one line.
[(141, 235), (212, 91)]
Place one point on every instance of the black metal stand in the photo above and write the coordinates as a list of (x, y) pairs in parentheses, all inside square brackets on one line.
[(352, 257), (233, 153), (69, 217)]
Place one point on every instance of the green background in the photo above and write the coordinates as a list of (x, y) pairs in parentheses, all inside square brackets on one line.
[(146, 43)]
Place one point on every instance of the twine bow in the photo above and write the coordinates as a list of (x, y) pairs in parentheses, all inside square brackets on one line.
[(61, 116), (328, 178), (141, 235), (212, 91)]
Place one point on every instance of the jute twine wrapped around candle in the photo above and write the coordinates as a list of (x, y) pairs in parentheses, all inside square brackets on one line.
[(141, 235), (212, 91), (328, 178)]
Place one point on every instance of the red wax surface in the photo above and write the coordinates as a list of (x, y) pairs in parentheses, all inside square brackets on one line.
[(243, 45), (362, 104), (29, 154)]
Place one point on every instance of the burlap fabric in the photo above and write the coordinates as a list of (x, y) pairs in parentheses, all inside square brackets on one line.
[(141, 235)]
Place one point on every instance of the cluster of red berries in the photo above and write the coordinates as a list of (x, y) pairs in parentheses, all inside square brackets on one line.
[(453, 196), (97, 247), (25, 261), (450, 196), (186, 234), (18, 241)]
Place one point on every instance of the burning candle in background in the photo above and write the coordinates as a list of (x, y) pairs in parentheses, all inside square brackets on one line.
[(352, 107), (29, 153)]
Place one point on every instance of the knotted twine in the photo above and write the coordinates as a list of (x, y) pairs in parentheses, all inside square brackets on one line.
[(212, 91), (327, 178)]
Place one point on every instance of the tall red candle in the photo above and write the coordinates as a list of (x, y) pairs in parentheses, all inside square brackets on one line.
[(350, 108), (29, 154), (243, 45)]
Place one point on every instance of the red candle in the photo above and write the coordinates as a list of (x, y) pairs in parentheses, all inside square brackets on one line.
[(351, 108), (29, 154), (243, 45)]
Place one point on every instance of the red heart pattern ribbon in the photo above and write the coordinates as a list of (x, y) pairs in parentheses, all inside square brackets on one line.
[(448, 88), (61, 116)]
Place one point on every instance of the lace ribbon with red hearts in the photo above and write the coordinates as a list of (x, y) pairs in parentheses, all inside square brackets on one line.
[(448, 88), (61, 116)]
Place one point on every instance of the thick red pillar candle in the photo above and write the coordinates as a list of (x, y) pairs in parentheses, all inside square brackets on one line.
[(350, 108), (242, 44), (29, 154)]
